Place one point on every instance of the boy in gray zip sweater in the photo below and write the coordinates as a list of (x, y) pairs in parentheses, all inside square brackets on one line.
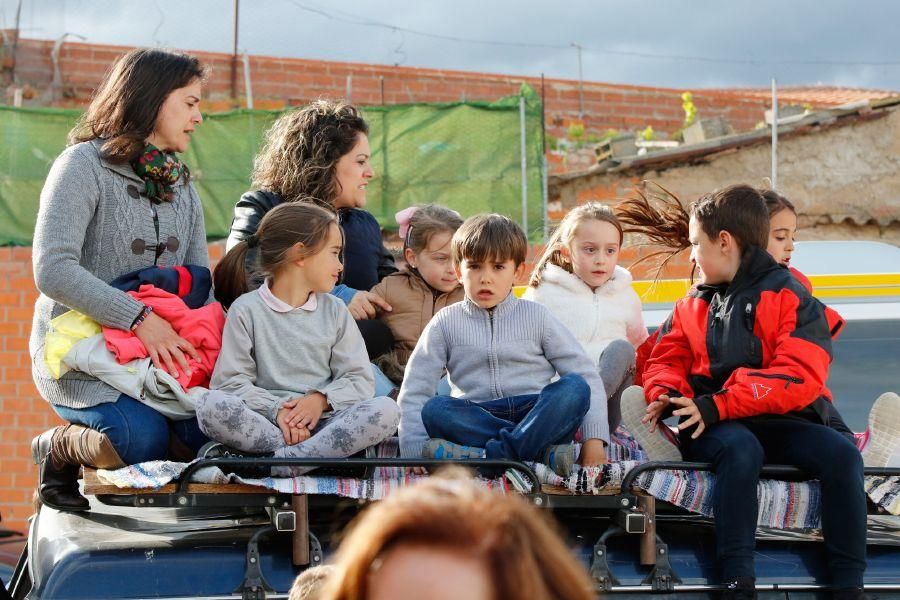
[(501, 355)]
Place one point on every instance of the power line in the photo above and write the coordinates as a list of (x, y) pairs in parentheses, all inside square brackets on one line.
[(343, 17)]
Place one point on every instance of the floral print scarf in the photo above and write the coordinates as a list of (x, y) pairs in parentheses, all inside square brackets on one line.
[(160, 171)]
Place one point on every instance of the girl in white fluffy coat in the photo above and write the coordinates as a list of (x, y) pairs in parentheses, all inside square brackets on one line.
[(579, 280)]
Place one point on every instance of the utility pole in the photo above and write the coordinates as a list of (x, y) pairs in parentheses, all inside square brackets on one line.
[(234, 56), (580, 83), (774, 135), (16, 41)]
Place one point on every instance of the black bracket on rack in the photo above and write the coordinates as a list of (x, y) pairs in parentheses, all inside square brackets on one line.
[(255, 586)]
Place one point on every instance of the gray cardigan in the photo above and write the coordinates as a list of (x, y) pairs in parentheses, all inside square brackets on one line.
[(518, 349), (91, 211)]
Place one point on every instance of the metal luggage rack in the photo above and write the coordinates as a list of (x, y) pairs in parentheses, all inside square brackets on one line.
[(631, 512)]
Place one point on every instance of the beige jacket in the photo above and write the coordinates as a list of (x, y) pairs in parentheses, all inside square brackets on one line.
[(414, 302)]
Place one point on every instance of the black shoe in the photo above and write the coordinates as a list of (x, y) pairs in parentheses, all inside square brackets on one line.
[(219, 450), (57, 484), (354, 472), (741, 588)]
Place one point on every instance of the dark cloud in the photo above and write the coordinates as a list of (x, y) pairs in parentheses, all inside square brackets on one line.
[(761, 38)]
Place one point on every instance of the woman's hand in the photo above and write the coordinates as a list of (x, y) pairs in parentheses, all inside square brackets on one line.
[(689, 409), (655, 410), (365, 305), (593, 453), (164, 346)]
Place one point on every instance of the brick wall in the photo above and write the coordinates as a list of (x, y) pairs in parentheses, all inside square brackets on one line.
[(24, 413), (279, 82)]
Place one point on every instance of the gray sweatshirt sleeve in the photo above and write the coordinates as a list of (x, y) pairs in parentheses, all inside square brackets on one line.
[(69, 202), (423, 372), (567, 356), (351, 372), (235, 370)]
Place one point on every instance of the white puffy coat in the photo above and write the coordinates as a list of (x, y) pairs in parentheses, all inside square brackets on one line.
[(595, 317)]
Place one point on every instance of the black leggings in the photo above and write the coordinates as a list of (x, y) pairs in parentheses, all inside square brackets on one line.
[(377, 336)]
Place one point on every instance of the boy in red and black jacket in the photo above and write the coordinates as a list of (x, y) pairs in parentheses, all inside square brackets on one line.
[(743, 361)]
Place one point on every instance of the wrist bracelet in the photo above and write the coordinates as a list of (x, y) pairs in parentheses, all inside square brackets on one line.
[(140, 318)]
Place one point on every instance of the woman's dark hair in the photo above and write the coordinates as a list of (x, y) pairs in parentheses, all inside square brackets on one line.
[(302, 148), (280, 230), (775, 203), (124, 109), (659, 216)]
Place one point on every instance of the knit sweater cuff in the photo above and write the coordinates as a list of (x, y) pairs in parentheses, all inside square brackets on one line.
[(123, 310), (599, 431)]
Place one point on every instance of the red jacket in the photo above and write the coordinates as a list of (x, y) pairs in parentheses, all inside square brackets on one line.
[(835, 325), (759, 345), (835, 320)]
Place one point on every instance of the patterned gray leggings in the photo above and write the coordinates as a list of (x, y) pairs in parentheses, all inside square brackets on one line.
[(227, 419)]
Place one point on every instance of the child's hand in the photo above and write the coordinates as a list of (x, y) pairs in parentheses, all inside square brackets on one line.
[(593, 453), (306, 411), (292, 435), (655, 410), (690, 410), (365, 305)]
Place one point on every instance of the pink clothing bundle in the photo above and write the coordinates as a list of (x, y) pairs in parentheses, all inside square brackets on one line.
[(202, 327)]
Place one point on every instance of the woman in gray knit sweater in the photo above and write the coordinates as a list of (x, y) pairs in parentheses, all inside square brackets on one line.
[(116, 200)]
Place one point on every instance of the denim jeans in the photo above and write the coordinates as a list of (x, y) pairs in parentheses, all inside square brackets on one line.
[(738, 449), (137, 432), (516, 427)]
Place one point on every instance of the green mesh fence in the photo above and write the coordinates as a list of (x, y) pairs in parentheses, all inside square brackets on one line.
[(464, 155)]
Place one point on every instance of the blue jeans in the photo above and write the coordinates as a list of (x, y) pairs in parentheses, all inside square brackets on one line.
[(738, 449), (137, 432), (517, 427)]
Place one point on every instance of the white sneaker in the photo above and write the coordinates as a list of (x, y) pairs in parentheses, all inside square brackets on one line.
[(883, 446), (656, 444)]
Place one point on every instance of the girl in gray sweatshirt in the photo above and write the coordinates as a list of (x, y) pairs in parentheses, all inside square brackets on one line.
[(293, 376)]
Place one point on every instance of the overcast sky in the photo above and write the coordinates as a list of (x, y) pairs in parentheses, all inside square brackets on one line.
[(668, 43)]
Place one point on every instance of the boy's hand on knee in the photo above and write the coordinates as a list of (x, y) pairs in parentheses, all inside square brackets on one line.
[(593, 453), (690, 410)]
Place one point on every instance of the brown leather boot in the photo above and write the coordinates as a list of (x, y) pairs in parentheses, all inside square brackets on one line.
[(60, 452)]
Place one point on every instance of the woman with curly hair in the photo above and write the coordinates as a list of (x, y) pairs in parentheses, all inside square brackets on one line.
[(322, 151)]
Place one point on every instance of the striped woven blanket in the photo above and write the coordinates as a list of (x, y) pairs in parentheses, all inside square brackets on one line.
[(783, 504)]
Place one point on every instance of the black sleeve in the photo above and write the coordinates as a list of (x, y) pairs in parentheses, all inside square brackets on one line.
[(248, 212)]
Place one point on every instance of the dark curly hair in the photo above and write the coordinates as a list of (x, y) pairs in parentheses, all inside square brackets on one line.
[(302, 148)]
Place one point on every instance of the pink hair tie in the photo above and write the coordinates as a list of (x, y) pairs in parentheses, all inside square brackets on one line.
[(403, 218)]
